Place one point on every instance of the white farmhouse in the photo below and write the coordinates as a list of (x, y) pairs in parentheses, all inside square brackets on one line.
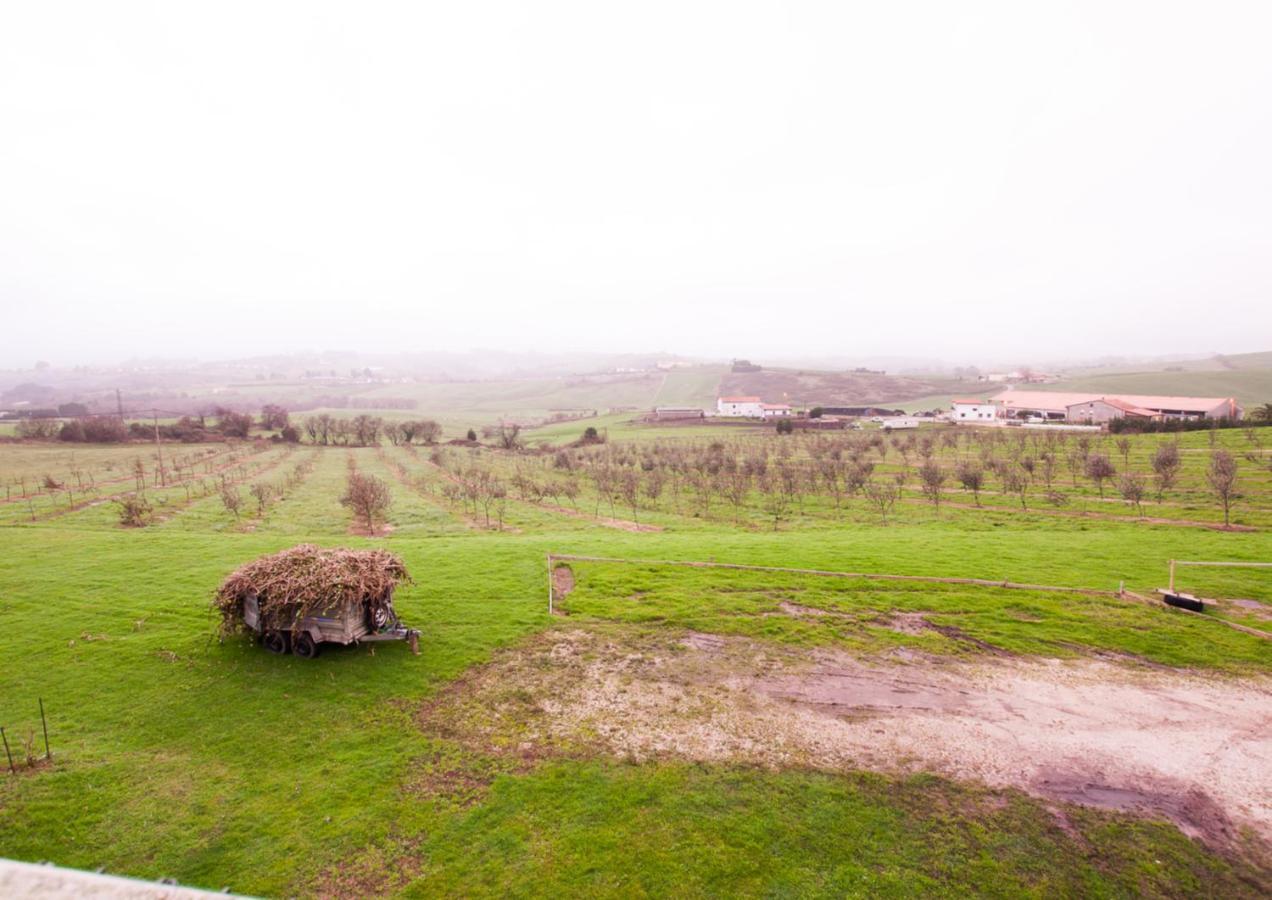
[(741, 407), (972, 410), (775, 410)]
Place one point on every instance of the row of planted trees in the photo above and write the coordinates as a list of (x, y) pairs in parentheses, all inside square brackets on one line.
[(223, 474), (779, 474), (368, 431), (266, 492)]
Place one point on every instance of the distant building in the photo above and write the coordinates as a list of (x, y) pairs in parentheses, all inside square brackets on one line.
[(675, 413), (861, 411), (1057, 405), (740, 407), (901, 422), (775, 410), (822, 423), (970, 410), (1020, 376), (1098, 412)]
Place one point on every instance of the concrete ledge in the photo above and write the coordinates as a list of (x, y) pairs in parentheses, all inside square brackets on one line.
[(28, 881)]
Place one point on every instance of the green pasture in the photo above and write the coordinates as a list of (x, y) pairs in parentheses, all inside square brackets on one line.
[(1251, 386), (177, 754)]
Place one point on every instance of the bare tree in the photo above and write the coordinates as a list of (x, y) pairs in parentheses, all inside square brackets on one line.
[(1222, 477), (231, 499), (1099, 470), (1016, 481), (1124, 445), (135, 511), (883, 495), (736, 486), (368, 497), (274, 417), (972, 478), (629, 487), (1131, 486), (932, 480), (233, 424), (366, 429), (570, 491), (831, 472), (777, 501), (653, 488), (1048, 458), (1166, 463), (509, 435), (263, 493)]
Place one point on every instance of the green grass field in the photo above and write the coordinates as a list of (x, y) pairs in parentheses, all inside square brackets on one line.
[(1252, 387), (218, 764)]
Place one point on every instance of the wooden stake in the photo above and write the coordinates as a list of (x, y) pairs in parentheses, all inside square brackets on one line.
[(549, 584), (12, 768), (45, 724), (163, 481)]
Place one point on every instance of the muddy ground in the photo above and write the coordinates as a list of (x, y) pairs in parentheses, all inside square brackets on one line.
[(1193, 748)]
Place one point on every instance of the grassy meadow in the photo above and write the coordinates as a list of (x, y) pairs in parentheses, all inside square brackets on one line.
[(213, 762)]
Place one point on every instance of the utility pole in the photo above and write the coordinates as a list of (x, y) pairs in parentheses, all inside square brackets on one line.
[(119, 403), (159, 448)]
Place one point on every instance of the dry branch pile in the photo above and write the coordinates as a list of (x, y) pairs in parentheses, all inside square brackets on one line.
[(306, 580)]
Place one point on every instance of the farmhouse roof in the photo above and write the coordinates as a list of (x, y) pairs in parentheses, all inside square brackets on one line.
[(974, 400), (739, 399)]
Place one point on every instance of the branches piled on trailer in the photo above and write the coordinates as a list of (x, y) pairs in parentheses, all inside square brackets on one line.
[(306, 580)]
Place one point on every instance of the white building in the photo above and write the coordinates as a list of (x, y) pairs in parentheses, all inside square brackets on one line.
[(972, 410), (741, 407), (775, 410), (895, 422)]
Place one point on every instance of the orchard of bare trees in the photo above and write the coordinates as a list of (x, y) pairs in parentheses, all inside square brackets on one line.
[(773, 479)]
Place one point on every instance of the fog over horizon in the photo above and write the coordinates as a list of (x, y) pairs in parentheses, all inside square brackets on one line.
[(969, 183)]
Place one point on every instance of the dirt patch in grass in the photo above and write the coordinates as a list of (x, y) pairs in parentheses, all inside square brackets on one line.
[(361, 530), (1176, 745), (800, 611), (917, 623), (908, 622), (607, 521), (1252, 607), (562, 581), (374, 871)]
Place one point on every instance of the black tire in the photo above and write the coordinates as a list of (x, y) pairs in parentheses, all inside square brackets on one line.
[(378, 617), (305, 646), (275, 641)]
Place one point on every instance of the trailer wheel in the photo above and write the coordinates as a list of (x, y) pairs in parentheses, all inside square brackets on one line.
[(275, 641), (378, 617), (305, 646)]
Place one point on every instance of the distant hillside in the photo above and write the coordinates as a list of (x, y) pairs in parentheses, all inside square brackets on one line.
[(1221, 362), (1251, 386), (839, 388)]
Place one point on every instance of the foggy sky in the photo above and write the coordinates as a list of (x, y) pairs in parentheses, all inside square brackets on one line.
[(968, 181)]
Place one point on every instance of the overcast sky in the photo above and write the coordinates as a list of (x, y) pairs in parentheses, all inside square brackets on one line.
[(968, 181)]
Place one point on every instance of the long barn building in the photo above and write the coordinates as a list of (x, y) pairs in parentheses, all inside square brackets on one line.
[(1096, 409)]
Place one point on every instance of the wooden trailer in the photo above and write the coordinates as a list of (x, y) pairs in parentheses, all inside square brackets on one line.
[(350, 622), (297, 600)]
